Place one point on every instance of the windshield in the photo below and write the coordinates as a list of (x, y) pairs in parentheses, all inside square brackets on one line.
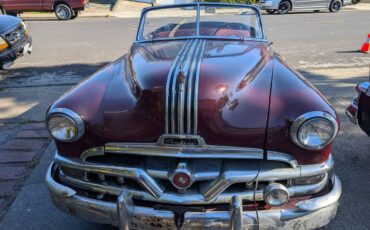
[(208, 20)]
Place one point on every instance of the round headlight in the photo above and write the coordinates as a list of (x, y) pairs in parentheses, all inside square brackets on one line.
[(276, 194), (314, 130), (65, 125)]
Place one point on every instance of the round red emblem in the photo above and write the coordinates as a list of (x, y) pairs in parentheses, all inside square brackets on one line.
[(181, 180)]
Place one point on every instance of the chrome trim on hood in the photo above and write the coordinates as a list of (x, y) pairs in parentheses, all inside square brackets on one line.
[(182, 89)]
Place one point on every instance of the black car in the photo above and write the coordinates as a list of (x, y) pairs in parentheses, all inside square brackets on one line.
[(358, 111), (15, 40)]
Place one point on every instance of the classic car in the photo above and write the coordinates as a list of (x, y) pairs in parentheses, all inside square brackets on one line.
[(358, 111), (284, 6), (199, 126), (15, 40)]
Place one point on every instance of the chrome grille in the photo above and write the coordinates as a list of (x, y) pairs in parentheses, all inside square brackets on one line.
[(218, 172), (16, 35)]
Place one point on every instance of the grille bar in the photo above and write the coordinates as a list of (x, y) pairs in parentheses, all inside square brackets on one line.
[(212, 181), (190, 198), (16, 35)]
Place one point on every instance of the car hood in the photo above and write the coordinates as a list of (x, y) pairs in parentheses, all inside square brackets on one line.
[(131, 100), (8, 22)]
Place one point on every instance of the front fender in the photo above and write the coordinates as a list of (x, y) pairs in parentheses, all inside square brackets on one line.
[(291, 96)]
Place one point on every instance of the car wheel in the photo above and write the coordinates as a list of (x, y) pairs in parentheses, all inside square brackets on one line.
[(11, 13), (63, 12), (75, 14), (284, 7), (335, 6), (270, 11), (355, 1)]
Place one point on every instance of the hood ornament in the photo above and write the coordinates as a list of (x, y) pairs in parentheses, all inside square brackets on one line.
[(181, 77)]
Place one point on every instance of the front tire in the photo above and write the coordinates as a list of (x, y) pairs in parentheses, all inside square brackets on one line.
[(284, 7), (335, 6), (75, 14), (270, 11), (63, 12)]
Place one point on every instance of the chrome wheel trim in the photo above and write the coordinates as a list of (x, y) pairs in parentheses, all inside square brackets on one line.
[(336, 6), (63, 12), (283, 7)]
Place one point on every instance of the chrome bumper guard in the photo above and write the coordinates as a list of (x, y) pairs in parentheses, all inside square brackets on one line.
[(309, 214)]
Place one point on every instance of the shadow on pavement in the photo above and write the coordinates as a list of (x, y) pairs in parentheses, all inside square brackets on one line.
[(26, 93), (48, 75), (335, 86)]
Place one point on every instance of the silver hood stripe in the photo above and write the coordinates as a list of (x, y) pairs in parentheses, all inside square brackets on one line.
[(168, 84), (182, 94)]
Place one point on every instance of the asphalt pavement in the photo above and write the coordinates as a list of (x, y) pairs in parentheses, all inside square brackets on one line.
[(322, 46)]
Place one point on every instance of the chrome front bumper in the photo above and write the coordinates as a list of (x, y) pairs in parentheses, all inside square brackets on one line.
[(309, 214)]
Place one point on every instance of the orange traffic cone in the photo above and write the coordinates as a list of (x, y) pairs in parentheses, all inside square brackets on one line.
[(366, 46)]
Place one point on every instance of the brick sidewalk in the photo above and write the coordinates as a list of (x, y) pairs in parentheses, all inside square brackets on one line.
[(21, 146)]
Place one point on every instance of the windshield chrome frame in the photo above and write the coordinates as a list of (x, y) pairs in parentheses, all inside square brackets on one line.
[(140, 31)]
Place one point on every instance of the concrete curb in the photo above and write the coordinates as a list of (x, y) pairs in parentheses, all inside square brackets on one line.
[(52, 15)]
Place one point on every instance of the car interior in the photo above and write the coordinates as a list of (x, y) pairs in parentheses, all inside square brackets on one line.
[(206, 28)]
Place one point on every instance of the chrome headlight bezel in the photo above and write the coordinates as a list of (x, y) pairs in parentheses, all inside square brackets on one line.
[(72, 117), (301, 120), (276, 194)]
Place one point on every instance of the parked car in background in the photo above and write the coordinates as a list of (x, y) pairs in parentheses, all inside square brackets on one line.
[(64, 9), (200, 126), (15, 40), (358, 111), (284, 6)]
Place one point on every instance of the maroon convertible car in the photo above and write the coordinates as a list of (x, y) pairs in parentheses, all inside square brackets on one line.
[(200, 126)]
